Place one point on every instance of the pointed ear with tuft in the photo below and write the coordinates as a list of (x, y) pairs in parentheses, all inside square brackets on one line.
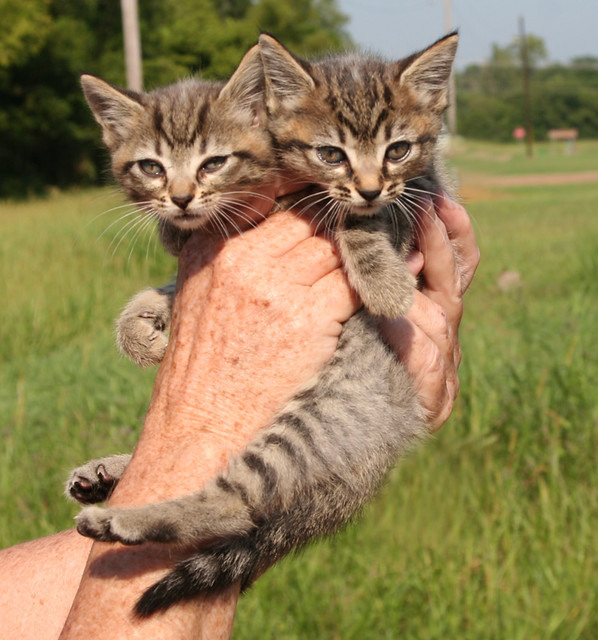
[(115, 109), (428, 72), (246, 86), (287, 77)]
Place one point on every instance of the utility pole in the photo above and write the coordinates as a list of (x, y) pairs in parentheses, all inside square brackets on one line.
[(452, 95), (527, 102), (132, 38)]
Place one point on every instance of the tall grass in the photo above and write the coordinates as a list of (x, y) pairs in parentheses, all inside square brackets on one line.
[(487, 532), (64, 392)]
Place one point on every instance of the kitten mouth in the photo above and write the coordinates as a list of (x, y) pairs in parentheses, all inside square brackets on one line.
[(188, 220), (368, 209)]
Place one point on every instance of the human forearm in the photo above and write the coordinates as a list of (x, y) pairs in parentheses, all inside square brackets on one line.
[(252, 323)]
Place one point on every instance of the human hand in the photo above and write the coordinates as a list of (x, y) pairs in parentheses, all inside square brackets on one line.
[(427, 337), (254, 320)]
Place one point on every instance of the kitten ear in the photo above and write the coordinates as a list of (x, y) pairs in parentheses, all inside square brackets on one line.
[(246, 86), (113, 108), (428, 72), (286, 76)]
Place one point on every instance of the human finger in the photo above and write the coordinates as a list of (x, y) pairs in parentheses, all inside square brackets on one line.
[(461, 233), (415, 262), (439, 255), (310, 260), (435, 323), (441, 276), (333, 295), (434, 376)]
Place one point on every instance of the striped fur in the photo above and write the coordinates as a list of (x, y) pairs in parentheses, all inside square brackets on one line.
[(311, 471), (189, 154)]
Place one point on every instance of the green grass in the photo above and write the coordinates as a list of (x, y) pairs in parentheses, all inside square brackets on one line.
[(487, 532), (510, 159)]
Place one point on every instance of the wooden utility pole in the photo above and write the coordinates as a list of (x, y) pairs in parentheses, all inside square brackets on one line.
[(527, 101), (452, 106), (132, 40)]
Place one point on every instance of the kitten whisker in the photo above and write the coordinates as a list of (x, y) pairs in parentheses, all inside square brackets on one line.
[(254, 194), (125, 232), (313, 200), (231, 221), (421, 205), (143, 230), (133, 206), (330, 215), (130, 227), (316, 197), (238, 207), (219, 224), (133, 213), (233, 210)]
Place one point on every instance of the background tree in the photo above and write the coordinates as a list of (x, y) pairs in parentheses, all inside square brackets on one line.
[(47, 136), (490, 97)]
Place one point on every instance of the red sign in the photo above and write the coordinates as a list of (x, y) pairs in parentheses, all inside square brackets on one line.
[(519, 133)]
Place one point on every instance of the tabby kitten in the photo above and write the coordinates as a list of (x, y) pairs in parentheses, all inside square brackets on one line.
[(191, 155), (364, 131)]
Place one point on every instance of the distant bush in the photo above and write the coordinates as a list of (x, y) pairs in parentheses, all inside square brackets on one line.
[(490, 96)]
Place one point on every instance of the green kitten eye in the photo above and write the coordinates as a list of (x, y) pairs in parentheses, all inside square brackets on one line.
[(331, 155), (151, 168), (213, 164), (398, 151)]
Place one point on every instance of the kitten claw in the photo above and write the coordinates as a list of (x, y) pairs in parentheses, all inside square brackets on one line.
[(87, 491), (159, 323), (94, 482)]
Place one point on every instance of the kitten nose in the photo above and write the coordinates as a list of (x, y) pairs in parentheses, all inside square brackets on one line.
[(369, 194), (181, 201)]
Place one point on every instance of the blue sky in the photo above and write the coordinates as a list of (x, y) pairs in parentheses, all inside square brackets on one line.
[(395, 28)]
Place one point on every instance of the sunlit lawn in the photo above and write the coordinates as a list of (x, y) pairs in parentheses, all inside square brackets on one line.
[(488, 532)]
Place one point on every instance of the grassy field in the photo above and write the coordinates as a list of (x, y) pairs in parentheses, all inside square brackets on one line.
[(488, 532)]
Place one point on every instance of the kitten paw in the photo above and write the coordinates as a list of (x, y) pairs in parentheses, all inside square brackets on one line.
[(392, 303), (141, 327), (94, 482), (103, 525)]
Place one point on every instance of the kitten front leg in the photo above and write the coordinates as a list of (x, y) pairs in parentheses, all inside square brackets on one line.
[(141, 327), (95, 480), (217, 511), (374, 260)]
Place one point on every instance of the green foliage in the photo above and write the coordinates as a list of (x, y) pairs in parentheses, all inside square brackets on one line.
[(48, 137), (487, 532), (23, 28), (490, 96)]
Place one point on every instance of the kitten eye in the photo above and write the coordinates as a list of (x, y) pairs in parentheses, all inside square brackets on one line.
[(152, 168), (213, 164), (398, 151), (331, 155)]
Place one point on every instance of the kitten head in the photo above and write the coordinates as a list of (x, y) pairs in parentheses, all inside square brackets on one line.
[(191, 152), (358, 126)]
